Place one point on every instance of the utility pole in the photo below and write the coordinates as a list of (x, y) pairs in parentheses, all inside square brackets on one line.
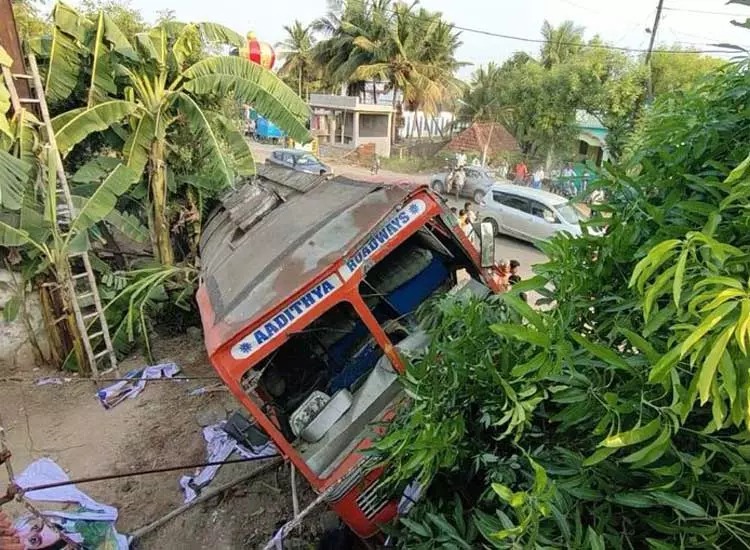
[(11, 43), (651, 48)]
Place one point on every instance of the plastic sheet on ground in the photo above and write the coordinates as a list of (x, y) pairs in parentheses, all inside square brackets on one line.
[(85, 521), (220, 445), (129, 389)]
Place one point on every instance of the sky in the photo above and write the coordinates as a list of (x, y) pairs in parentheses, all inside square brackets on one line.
[(619, 22)]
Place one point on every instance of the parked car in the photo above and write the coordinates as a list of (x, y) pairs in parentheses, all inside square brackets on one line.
[(529, 214), (478, 182), (300, 161)]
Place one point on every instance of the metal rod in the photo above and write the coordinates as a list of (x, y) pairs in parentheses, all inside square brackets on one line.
[(142, 531)]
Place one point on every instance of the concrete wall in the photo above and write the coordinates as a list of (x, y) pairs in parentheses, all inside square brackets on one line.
[(373, 126), (15, 349), (382, 145)]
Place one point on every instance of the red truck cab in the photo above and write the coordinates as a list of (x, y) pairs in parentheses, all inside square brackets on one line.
[(307, 297)]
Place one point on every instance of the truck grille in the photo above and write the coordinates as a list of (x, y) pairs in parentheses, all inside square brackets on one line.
[(372, 500)]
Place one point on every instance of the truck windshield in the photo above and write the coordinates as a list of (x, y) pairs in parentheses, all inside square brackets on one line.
[(330, 381)]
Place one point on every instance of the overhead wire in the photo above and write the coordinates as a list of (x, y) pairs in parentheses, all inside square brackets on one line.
[(602, 46), (706, 12)]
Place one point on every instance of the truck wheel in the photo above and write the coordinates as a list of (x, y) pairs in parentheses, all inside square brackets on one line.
[(495, 228), (438, 186)]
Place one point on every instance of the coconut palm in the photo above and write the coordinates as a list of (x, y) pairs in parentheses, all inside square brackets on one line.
[(297, 52), (337, 54), (415, 55), (561, 42), (160, 80)]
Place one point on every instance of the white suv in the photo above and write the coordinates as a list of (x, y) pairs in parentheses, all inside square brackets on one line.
[(529, 214)]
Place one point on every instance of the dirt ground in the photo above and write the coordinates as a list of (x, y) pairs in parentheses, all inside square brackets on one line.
[(159, 428)]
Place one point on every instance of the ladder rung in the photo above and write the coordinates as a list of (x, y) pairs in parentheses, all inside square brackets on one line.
[(80, 276), (23, 76), (85, 295), (28, 100), (76, 254), (101, 354), (90, 315), (96, 335)]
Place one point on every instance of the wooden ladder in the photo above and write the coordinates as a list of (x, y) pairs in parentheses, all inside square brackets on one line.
[(79, 280)]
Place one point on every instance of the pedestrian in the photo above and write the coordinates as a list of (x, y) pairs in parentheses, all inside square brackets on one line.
[(454, 211), (503, 169), (522, 173), (459, 178), (537, 178), (375, 164), (476, 162), (460, 160), (461, 218), (514, 276), (470, 214)]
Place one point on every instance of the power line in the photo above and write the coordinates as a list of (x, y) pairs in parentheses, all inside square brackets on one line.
[(707, 12), (577, 44), (582, 45)]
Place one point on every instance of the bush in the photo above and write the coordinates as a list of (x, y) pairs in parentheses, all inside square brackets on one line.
[(618, 418)]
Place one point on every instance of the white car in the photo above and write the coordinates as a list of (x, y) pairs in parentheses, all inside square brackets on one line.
[(529, 214)]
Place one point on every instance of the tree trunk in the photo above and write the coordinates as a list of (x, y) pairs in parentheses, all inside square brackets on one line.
[(374, 94), (299, 83), (161, 238), (393, 116), (487, 145)]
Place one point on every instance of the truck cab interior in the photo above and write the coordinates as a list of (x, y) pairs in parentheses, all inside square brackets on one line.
[(330, 381)]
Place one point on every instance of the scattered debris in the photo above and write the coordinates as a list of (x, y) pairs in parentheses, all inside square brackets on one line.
[(90, 524), (218, 387), (129, 389), (219, 446), (51, 380)]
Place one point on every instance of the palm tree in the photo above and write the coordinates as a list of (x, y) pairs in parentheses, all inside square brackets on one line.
[(415, 55), (167, 81), (297, 52), (336, 53), (561, 42)]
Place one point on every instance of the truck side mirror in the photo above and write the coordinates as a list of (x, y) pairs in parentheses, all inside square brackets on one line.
[(486, 245)]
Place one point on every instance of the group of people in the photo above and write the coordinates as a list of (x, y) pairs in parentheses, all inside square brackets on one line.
[(467, 217), (522, 176)]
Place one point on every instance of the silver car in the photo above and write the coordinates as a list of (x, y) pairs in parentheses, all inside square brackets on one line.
[(478, 182), (530, 214), (299, 161)]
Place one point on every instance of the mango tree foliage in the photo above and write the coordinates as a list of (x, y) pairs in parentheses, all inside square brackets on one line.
[(675, 72), (618, 417), (539, 102)]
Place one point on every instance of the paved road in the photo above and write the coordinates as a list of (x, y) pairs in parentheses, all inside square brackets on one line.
[(506, 247)]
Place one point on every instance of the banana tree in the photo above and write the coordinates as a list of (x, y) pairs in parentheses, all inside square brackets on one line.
[(36, 229), (160, 80)]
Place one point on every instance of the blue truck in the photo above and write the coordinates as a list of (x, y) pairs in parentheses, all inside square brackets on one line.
[(264, 129)]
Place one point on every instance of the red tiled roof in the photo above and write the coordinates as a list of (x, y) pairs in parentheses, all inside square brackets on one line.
[(475, 137)]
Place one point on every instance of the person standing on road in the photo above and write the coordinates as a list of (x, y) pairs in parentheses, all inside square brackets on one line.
[(375, 165), (502, 171), (460, 160), (470, 214), (459, 179), (537, 178), (521, 173)]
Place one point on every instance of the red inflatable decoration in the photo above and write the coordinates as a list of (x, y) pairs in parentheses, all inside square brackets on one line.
[(259, 52)]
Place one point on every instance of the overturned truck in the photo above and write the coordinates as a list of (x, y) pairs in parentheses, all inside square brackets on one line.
[(308, 292)]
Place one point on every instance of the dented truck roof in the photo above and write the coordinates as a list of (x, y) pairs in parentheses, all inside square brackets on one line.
[(275, 235)]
